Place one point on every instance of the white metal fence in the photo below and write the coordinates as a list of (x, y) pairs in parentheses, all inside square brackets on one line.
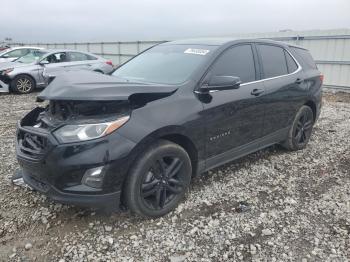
[(330, 49)]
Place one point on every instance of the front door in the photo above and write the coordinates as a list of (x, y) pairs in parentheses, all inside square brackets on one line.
[(234, 117)]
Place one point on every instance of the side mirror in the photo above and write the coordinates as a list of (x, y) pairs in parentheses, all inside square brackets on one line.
[(5, 56), (222, 83), (43, 62)]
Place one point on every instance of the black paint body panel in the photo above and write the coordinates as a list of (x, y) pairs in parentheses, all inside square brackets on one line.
[(220, 126)]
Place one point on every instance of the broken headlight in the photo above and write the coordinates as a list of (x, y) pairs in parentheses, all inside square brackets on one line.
[(76, 133)]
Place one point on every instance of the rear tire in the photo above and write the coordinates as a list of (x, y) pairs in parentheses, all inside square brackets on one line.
[(158, 180), (301, 129), (23, 84)]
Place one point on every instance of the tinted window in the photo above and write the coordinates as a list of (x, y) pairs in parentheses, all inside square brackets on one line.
[(237, 61), (292, 66), (168, 64), (76, 56), (304, 58), (273, 60)]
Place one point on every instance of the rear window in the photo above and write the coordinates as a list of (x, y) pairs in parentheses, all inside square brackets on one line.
[(304, 58), (76, 56), (273, 60)]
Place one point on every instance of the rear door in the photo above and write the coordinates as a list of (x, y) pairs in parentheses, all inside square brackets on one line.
[(284, 87), (234, 117), (79, 60)]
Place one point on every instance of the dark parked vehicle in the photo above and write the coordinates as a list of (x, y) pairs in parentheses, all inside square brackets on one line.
[(137, 137)]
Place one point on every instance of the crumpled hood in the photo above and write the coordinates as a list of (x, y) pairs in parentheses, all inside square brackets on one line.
[(88, 85)]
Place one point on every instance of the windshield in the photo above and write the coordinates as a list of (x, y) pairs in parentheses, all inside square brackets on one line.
[(31, 57), (165, 64)]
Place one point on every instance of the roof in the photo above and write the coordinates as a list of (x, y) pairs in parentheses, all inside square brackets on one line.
[(23, 47), (202, 41), (67, 50), (219, 41)]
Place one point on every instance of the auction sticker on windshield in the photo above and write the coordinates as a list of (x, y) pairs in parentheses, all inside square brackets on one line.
[(196, 51)]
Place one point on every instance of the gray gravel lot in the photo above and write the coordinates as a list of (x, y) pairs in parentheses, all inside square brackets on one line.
[(299, 207)]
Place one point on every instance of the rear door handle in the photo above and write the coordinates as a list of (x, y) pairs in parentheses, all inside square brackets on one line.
[(299, 81), (257, 91)]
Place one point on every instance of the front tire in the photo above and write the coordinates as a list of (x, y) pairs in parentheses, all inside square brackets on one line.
[(301, 129), (158, 180), (23, 84)]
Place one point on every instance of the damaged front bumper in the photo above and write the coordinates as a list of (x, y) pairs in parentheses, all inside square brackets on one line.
[(57, 170), (108, 201)]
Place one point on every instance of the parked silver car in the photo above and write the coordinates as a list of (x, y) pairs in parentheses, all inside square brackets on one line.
[(37, 67), (11, 54)]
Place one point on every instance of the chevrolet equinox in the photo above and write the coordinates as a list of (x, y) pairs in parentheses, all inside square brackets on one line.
[(137, 137)]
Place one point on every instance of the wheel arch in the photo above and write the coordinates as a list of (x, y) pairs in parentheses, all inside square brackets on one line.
[(312, 105), (175, 134), (187, 144)]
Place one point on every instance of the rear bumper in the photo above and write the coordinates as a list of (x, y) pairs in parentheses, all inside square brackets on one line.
[(108, 201)]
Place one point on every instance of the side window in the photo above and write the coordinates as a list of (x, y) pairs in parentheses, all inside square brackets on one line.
[(76, 56), (90, 57), (273, 60), (57, 58), (236, 61), (292, 66)]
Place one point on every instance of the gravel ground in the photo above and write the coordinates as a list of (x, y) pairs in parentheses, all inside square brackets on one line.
[(272, 205)]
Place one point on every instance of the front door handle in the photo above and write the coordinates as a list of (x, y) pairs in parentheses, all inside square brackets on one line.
[(257, 91)]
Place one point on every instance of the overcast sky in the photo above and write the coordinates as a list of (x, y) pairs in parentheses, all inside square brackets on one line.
[(108, 20)]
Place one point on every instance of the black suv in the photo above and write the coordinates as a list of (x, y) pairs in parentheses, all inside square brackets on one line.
[(137, 137)]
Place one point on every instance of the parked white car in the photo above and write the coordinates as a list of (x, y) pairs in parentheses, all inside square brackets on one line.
[(11, 54), (39, 67)]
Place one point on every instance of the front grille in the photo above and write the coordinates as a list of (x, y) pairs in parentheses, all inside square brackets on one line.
[(32, 145)]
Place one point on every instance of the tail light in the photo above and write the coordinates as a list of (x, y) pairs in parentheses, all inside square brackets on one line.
[(109, 62), (321, 78)]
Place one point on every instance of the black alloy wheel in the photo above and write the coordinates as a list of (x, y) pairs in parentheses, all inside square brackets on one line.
[(163, 182), (300, 132), (158, 180), (303, 128)]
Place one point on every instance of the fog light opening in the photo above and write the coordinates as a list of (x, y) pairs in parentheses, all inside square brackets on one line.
[(94, 177)]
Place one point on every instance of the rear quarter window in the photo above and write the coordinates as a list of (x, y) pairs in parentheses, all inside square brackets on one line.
[(304, 58), (292, 66)]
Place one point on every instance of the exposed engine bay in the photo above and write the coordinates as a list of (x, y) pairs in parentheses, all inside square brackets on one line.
[(57, 113)]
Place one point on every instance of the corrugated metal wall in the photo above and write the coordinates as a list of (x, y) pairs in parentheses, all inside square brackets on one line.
[(330, 49)]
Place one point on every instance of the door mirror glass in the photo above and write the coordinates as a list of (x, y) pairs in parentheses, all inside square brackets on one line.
[(222, 83)]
